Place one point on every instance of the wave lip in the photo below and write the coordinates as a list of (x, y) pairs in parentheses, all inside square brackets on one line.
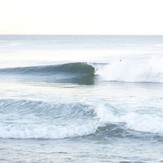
[(78, 72)]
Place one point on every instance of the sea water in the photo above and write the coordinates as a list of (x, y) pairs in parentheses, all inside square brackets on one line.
[(81, 99)]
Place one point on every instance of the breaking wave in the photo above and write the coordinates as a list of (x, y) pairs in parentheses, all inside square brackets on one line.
[(26, 119), (149, 70)]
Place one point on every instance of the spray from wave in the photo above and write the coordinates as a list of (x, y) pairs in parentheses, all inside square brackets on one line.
[(149, 70)]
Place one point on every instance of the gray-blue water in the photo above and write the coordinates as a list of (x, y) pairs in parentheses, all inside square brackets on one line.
[(81, 99)]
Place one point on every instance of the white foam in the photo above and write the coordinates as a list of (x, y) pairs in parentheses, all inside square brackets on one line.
[(145, 70), (132, 120), (143, 123), (34, 131)]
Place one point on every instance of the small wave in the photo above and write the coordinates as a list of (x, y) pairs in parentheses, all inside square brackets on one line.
[(26, 119), (79, 72)]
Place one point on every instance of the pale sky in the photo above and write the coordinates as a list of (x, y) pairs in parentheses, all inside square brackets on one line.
[(81, 17)]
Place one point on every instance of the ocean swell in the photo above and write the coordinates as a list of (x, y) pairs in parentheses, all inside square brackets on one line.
[(79, 72)]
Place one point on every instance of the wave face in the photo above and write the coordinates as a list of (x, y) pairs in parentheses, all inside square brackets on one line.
[(80, 73), (27, 119), (148, 70)]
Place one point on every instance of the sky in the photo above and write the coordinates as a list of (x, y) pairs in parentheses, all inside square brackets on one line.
[(79, 17)]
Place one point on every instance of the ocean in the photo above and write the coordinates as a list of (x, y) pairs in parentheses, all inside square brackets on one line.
[(81, 99)]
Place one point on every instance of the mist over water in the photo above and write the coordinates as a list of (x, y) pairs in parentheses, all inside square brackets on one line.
[(81, 98)]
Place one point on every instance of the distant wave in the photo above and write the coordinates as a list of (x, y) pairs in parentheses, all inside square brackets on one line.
[(80, 73), (150, 70)]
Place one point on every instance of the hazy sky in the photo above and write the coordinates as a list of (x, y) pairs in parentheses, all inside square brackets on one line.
[(81, 16)]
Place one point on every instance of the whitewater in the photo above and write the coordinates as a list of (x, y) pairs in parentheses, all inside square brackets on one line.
[(81, 99)]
